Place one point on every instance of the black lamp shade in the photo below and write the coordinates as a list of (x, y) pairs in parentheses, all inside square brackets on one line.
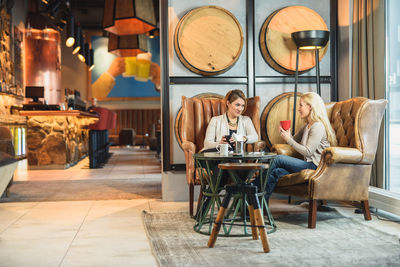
[(313, 39), (91, 59), (78, 37), (127, 17), (127, 45), (70, 37), (81, 53), (87, 52)]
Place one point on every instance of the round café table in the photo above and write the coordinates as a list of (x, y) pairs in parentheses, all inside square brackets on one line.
[(213, 191)]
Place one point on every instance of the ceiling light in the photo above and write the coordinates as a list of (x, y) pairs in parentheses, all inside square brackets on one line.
[(127, 45), (127, 17)]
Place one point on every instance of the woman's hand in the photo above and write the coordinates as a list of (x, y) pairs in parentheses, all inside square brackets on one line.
[(117, 67), (155, 75), (223, 140), (285, 134)]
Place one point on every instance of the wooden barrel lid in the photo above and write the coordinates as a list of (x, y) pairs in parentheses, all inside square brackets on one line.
[(178, 119), (208, 40), (277, 45), (278, 109)]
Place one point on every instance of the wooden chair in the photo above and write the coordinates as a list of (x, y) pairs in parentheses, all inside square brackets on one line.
[(196, 114), (343, 173)]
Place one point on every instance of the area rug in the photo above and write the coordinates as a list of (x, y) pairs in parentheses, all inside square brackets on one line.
[(74, 190), (337, 241)]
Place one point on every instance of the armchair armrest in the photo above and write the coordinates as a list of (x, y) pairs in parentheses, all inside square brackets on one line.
[(6, 145), (190, 149), (189, 146), (285, 149), (341, 155)]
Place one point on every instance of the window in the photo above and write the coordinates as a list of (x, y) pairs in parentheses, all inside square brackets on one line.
[(393, 95)]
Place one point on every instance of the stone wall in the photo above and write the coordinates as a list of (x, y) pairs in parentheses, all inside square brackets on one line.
[(58, 141)]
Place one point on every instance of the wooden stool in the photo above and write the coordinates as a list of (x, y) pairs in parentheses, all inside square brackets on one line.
[(256, 218)]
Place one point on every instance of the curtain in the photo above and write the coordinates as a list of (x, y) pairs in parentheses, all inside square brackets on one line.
[(368, 64)]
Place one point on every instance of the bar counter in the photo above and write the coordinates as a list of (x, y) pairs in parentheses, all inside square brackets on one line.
[(57, 139)]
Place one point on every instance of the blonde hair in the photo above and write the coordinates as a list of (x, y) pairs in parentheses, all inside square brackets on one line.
[(318, 113)]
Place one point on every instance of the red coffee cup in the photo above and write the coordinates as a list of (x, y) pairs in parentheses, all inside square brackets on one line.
[(285, 124)]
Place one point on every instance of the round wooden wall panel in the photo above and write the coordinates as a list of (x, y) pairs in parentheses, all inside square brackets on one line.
[(208, 40), (278, 109), (277, 45)]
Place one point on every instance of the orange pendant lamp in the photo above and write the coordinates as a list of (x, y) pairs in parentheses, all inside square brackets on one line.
[(128, 17), (127, 45)]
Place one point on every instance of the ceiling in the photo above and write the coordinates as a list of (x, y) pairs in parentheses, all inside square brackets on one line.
[(89, 13)]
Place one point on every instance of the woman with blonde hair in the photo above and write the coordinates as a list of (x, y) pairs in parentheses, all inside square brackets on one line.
[(309, 141)]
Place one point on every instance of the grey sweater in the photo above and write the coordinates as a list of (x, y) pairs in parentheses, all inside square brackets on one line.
[(314, 143)]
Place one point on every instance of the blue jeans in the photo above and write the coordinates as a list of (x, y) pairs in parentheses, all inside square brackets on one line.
[(281, 166)]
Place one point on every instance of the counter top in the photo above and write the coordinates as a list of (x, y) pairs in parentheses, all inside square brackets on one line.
[(12, 119), (77, 113)]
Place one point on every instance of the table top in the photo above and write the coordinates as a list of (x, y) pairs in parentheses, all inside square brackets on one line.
[(232, 156)]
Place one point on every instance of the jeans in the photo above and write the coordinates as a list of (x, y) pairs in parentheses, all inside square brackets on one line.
[(281, 166)]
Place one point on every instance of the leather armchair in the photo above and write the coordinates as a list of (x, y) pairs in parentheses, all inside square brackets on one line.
[(196, 114), (344, 171)]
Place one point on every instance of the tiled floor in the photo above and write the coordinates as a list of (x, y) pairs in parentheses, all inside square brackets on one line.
[(125, 163), (92, 233)]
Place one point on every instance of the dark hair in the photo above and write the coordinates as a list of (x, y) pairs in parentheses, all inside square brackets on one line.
[(235, 94)]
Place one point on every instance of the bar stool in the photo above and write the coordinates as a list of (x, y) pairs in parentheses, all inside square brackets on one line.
[(245, 189)]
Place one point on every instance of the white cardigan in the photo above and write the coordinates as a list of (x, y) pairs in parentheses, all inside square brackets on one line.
[(219, 127)]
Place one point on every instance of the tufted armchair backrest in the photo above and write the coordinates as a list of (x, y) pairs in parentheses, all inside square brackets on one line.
[(343, 117), (197, 113), (356, 123)]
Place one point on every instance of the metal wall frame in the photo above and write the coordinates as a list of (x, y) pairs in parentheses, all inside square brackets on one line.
[(251, 80)]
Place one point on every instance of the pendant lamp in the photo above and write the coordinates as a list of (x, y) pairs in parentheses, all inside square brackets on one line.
[(70, 40), (81, 53), (127, 45), (91, 60), (127, 17), (78, 37), (89, 57)]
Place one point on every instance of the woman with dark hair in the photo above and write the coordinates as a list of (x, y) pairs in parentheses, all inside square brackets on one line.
[(221, 128)]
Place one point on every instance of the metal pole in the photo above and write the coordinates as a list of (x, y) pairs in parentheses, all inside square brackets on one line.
[(317, 67), (295, 91)]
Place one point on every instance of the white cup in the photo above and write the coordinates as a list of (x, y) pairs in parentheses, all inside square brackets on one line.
[(223, 149)]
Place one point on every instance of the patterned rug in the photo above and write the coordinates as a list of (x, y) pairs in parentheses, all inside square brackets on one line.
[(337, 241), (74, 190)]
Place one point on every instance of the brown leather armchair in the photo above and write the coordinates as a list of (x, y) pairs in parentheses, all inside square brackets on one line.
[(196, 114), (344, 171)]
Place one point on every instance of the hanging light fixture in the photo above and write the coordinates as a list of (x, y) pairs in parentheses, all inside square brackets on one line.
[(127, 17), (70, 40), (89, 57), (87, 51), (127, 45), (153, 33), (78, 36), (81, 53), (91, 60)]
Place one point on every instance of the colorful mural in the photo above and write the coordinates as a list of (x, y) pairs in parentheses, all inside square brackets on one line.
[(124, 86)]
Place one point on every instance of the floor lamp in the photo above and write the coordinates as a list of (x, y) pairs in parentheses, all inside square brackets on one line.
[(308, 40)]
